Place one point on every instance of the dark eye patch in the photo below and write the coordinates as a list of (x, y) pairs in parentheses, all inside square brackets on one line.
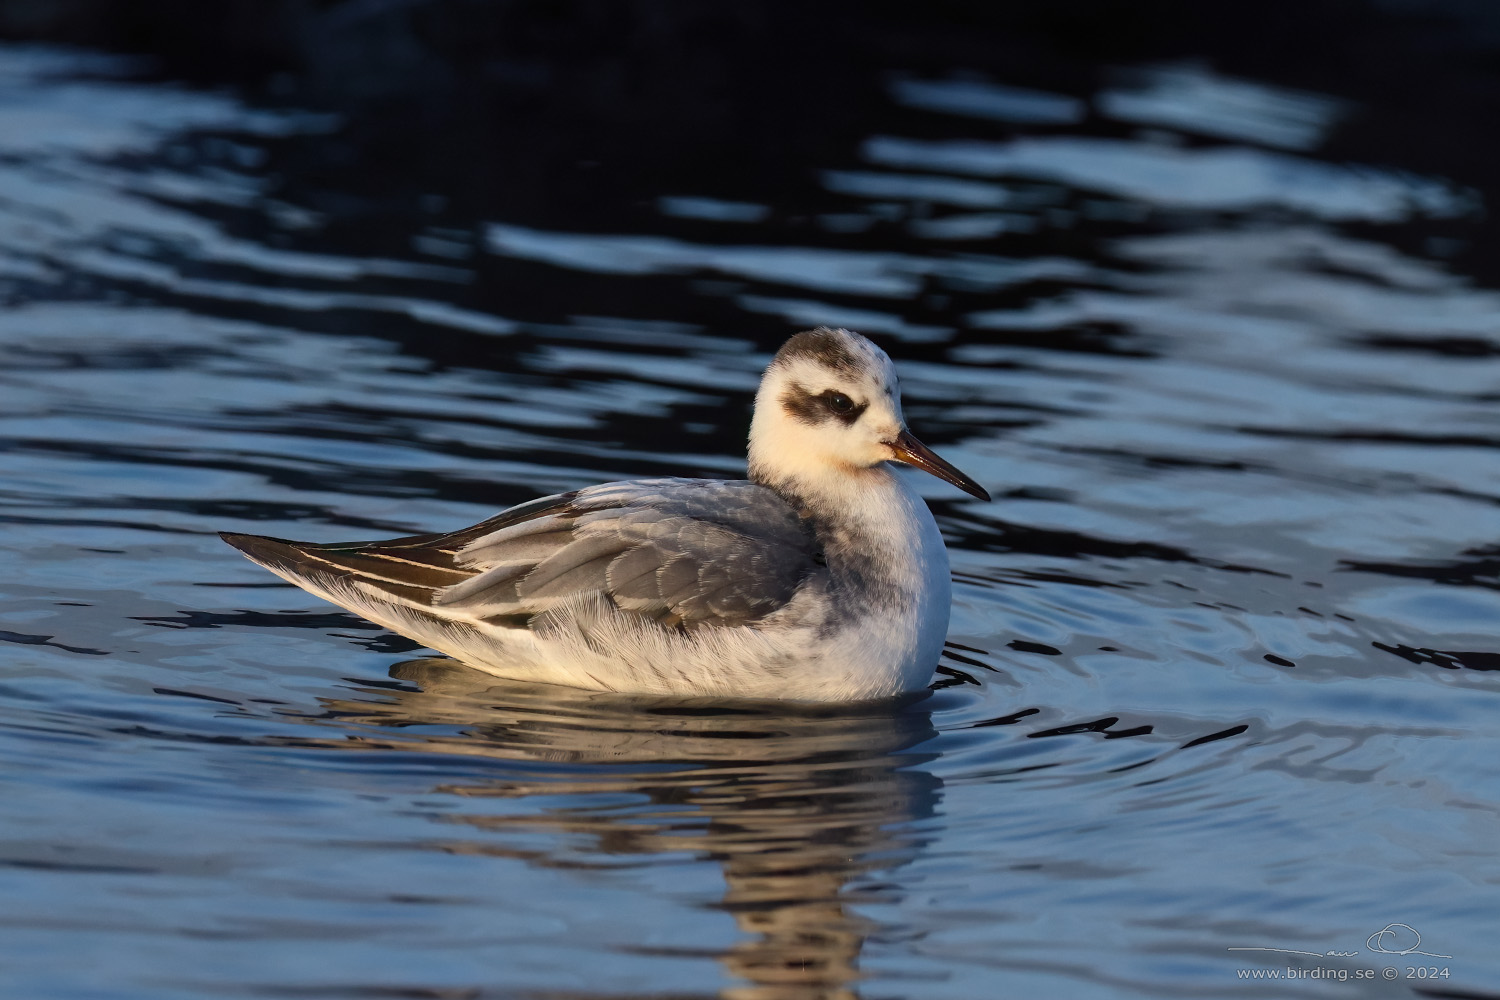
[(814, 409)]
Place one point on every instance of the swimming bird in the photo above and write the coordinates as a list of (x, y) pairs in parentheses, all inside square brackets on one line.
[(820, 578)]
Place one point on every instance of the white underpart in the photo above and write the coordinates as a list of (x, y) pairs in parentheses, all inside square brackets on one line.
[(882, 652)]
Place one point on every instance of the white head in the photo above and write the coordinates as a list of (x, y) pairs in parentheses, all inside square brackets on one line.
[(828, 410)]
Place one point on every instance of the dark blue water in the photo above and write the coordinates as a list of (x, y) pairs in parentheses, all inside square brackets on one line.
[(1220, 698)]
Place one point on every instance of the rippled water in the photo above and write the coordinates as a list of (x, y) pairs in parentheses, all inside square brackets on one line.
[(1222, 663)]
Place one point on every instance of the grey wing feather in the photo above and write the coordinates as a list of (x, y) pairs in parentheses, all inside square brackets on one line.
[(695, 552)]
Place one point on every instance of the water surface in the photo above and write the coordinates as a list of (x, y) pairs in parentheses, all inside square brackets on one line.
[(1221, 671)]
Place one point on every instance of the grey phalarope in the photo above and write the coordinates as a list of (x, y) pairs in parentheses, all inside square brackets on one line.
[(823, 577)]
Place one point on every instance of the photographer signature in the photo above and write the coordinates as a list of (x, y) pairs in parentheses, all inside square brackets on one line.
[(1392, 939)]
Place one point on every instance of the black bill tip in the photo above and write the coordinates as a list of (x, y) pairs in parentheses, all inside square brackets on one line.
[(913, 452)]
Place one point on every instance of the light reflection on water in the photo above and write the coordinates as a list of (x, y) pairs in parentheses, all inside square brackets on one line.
[(801, 810), (1222, 657)]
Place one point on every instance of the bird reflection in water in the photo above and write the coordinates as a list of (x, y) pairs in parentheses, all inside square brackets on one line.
[(800, 806)]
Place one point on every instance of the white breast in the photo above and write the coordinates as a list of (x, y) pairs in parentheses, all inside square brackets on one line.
[(888, 602)]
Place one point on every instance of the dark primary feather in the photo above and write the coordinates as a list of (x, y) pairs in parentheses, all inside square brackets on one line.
[(684, 552), (410, 568)]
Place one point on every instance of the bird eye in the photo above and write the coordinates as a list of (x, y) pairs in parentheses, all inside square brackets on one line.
[(838, 402)]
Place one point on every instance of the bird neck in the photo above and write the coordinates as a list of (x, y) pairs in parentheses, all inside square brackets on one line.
[(857, 514), (820, 490)]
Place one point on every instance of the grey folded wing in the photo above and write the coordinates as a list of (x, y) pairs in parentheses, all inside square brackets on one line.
[(681, 551)]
